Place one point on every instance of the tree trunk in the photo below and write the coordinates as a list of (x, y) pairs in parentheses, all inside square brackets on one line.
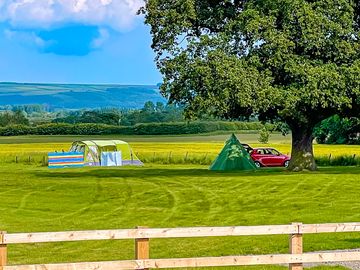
[(302, 154)]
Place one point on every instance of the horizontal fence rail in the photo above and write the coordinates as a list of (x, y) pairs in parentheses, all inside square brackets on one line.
[(21, 238), (198, 262), (141, 235), (41, 237)]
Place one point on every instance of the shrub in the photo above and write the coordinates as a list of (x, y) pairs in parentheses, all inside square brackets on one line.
[(173, 128), (264, 135), (15, 130), (344, 160)]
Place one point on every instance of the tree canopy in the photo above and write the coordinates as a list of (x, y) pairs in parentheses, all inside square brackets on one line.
[(295, 61), (13, 118), (336, 130)]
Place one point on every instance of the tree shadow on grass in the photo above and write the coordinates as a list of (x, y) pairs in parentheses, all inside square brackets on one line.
[(144, 172)]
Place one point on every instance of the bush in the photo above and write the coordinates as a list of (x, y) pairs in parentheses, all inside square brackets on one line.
[(80, 129), (15, 130), (176, 128), (264, 135), (13, 118), (344, 160)]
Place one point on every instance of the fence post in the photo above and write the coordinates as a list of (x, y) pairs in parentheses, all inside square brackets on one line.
[(296, 246), (3, 251), (142, 247)]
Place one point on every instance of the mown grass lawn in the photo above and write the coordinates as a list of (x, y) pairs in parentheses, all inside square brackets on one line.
[(38, 199)]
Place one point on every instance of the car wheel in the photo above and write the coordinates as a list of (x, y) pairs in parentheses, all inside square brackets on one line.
[(286, 163), (257, 164)]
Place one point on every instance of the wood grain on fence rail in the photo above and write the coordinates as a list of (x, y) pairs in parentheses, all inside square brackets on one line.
[(330, 227), (21, 238), (40, 237), (143, 234), (198, 262)]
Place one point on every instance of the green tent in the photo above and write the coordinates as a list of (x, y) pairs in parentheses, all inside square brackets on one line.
[(233, 157), (92, 151)]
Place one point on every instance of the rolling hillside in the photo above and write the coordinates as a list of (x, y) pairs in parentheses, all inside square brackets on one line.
[(77, 96)]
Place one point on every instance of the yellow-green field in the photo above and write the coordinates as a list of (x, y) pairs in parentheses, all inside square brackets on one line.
[(194, 149), (178, 148)]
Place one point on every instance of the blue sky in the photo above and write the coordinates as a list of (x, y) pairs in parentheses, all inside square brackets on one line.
[(75, 41)]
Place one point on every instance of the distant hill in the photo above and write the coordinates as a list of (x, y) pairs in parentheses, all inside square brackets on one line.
[(79, 96)]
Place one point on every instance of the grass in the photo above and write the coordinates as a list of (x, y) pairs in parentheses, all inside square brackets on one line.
[(34, 198)]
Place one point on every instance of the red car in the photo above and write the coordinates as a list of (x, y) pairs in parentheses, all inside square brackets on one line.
[(269, 157)]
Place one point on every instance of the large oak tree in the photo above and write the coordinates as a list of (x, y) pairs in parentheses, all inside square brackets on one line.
[(295, 61)]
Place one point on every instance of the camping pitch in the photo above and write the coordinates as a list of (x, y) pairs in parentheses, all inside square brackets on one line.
[(233, 157), (106, 153)]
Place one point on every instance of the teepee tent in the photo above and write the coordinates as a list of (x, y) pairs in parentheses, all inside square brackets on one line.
[(95, 151), (233, 157)]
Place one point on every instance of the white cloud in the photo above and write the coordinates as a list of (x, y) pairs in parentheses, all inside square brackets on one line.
[(101, 39), (26, 38), (119, 15)]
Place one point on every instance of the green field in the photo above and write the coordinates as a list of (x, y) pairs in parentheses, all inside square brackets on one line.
[(34, 198), (37, 199)]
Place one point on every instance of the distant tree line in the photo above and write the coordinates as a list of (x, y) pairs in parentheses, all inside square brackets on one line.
[(171, 128), (150, 113), (151, 119), (27, 108), (8, 118)]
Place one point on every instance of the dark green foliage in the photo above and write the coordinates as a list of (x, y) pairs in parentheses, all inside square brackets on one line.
[(175, 128), (193, 127), (150, 113), (30, 108), (153, 114), (15, 130), (296, 61), (337, 130), (264, 135), (149, 106), (13, 118), (101, 117), (345, 160)]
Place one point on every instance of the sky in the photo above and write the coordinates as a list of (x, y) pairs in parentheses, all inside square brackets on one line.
[(75, 41)]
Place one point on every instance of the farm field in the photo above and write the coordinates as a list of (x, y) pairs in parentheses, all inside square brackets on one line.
[(163, 148), (37, 199)]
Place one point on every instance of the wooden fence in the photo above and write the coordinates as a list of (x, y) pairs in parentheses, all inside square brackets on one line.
[(141, 235)]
